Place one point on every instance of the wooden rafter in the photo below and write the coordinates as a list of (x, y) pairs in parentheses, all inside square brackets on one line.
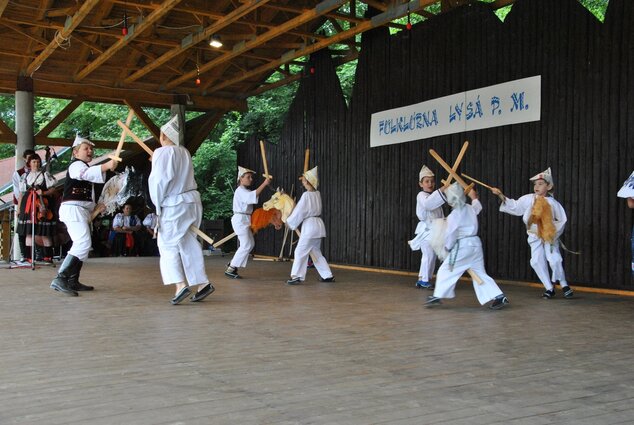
[(3, 5), (63, 114), (197, 38), (63, 34), (144, 118), (6, 132), (25, 33), (157, 14), (311, 14), (376, 21)]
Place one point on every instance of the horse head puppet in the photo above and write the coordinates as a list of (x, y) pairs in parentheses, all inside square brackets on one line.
[(280, 201)]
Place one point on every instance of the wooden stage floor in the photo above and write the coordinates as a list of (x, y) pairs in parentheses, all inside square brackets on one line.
[(362, 350)]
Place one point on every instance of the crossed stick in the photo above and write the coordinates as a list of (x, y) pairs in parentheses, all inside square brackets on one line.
[(467, 188), (456, 163)]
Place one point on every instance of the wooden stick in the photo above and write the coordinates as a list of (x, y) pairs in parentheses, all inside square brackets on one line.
[(450, 170), (476, 181), (475, 277), (202, 234), (306, 156), (223, 240), (117, 152), (457, 162), (266, 165), (136, 138)]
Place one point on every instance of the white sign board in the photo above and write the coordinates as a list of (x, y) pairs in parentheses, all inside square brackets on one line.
[(502, 104)]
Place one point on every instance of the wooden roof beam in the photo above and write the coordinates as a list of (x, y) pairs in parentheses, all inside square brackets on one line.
[(377, 21), (6, 133), (501, 3), (197, 38), (71, 24), (59, 118), (3, 5), (319, 10), (25, 33), (144, 118), (115, 95), (157, 14)]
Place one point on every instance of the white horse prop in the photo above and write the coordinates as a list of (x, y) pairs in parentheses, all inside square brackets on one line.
[(280, 201)]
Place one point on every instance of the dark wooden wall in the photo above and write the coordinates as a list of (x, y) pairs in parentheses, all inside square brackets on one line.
[(585, 135)]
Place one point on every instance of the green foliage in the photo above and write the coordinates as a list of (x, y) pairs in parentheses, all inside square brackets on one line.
[(214, 167)]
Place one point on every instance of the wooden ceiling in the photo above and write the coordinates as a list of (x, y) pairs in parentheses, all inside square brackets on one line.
[(73, 48)]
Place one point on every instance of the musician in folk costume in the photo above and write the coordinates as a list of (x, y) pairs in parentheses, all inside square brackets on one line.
[(15, 180), (243, 201), (461, 249), (627, 192), (307, 213), (36, 217), (545, 221), (76, 209), (428, 207), (173, 191)]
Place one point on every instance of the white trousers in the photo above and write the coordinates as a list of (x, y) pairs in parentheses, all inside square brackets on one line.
[(77, 220), (542, 255), (304, 248), (427, 262), (469, 257), (181, 254), (79, 232), (246, 243)]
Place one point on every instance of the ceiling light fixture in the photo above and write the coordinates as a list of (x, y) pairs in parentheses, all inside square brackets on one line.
[(214, 41)]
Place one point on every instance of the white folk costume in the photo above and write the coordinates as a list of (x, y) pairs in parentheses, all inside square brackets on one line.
[(78, 203), (544, 248), (30, 182), (243, 201), (464, 252), (307, 213), (173, 191), (428, 208), (627, 192)]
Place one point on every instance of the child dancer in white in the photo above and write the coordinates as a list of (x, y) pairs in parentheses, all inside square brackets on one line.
[(464, 252), (243, 201), (428, 208), (545, 221), (307, 213)]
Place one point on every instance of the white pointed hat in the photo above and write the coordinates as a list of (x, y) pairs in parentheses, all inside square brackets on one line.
[(172, 130), (425, 172), (545, 175), (79, 140), (312, 177), (627, 191), (242, 171)]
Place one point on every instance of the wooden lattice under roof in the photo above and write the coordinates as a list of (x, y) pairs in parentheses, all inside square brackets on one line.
[(76, 49)]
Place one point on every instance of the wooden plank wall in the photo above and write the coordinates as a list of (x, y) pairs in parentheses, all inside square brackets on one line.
[(585, 135)]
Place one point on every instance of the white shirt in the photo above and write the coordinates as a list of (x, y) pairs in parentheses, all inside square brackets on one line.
[(428, 208), (462, 223), (36, 178), (171, 181), (524, 207), (307, 212)]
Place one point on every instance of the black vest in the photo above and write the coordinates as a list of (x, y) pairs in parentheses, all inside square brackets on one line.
[(77, 190)]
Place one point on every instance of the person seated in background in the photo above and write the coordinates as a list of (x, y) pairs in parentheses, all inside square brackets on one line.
[(147, 239), (125, 225)]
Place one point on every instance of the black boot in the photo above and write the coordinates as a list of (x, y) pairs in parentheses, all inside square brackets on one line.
[(67, 269), (74, 283)]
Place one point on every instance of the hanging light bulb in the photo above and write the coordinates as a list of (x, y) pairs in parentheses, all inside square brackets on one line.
[(124, 30), (197, 75), (409, 22)]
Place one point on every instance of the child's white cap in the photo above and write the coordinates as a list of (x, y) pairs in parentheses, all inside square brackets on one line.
[(242, 171), (425, 172), (312, 177), (545, 175), (79, 140)]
